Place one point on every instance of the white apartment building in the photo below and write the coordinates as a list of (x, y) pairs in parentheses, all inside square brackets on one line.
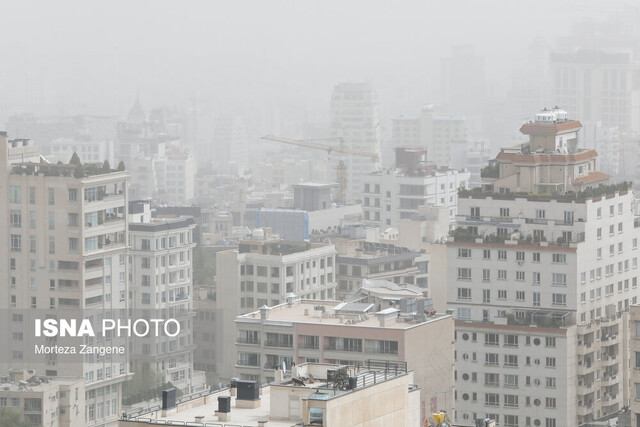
[(598, 85), (176, 174), (634, 364), (541, 286), (161, 270), (432, 131), (65, 234), (354, 117), (394, 194), (261, 272)]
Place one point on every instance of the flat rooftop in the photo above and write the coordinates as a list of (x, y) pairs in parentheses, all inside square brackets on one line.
[(335, 313)]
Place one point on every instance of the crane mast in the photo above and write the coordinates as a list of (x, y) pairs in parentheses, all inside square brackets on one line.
[(342, 167)]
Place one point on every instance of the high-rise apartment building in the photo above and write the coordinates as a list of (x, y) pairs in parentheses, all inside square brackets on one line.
[(354, 117), (64, 234), (541, 284), (394, 194), (598, 85), (431, 131), (262, 272), (160, 255)]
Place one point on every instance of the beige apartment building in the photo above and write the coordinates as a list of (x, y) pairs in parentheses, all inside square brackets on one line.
[(549, 162), (65, 229), (350, 333), (261, 272), (43, 403)]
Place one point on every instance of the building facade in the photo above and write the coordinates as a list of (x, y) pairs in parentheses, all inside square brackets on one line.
[(261, 272), (160, 256), (65, 229), (355, 119), (350, 334), (395, 194)]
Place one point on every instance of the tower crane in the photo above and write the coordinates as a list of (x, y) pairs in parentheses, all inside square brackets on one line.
[(342, 167)]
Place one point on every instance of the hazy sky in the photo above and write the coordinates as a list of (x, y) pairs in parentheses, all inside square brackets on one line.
[(83, 56)]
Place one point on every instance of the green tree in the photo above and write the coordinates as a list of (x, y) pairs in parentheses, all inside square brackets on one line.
[(204, 267), (75, 159), (10, 418), (106, 166), (121, 167)]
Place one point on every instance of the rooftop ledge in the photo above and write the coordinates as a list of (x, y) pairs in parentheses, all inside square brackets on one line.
[(594, 194)]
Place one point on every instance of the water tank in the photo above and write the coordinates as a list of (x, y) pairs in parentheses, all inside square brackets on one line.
[(224, 404), (168, 398), (248, 390)]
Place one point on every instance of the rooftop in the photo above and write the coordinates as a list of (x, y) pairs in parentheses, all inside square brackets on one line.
[(162, 224), (311, 382), (594, 194), (338, 313)]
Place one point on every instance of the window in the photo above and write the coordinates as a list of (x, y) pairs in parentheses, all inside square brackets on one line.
[(492, 380), (550, 341), (502, 294), (510, 340), (504, 212), (486, 254), (510, 360), (502, 254), (559, 258), (464, 313), (491, 359), (52, 220), (464, 253), (52, 196), (559, 299), (519, 256), (464, 293), (502, 274), (486, 296), (536, 278), (491, 399), (491, 339), (15, 218), (536, 257), (520, 275), (550, 402), (73, 194), (559, 279), (15, 194), (520, 296), (464, 274), (73, 244), (16, 243), (510, 401), (486, 275), (540, 214), (551, 362), (536, 299), (511, 420), (52, 245)]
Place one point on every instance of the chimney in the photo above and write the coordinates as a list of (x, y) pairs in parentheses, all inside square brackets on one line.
[(291, 299), (264, 312)]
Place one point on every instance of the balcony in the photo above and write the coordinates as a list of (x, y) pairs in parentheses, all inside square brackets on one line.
[(278, 344), (247, 341)]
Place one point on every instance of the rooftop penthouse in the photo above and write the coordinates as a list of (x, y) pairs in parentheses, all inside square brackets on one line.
[(549, 162)]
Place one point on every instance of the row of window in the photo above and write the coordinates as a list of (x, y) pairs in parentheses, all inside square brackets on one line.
[(556, 258), (556, 298)]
